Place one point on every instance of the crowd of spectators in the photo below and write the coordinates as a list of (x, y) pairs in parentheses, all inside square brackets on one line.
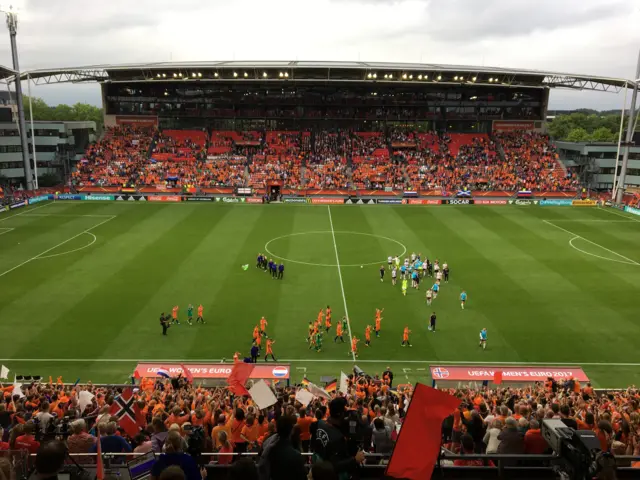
[(403, 158), (500, 420)]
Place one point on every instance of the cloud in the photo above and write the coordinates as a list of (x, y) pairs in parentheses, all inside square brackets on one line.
[(584, 36)]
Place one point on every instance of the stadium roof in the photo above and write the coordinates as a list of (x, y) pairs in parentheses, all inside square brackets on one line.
[(6, 72), (305, 71)]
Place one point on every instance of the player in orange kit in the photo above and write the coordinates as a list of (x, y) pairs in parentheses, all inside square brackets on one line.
[(327, 319), (174, 315), (354, 346), (200, 314), (263, 326), (339, 333), (367, 336), (378, 325), (405, 336), (270, 350), (320, 315)]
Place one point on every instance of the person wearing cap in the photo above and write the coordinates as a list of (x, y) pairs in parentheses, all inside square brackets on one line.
[(331, 444)]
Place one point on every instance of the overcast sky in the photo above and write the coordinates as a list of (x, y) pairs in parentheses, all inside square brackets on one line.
[(599, 37)]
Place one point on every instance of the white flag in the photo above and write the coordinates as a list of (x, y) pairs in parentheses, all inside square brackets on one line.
[(84, 400), (344, 383), (304, 397), (319, 392), (16, 389), (4, 372), (262, 395)]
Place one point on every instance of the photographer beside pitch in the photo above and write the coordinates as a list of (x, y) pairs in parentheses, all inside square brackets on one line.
[(337, 439)]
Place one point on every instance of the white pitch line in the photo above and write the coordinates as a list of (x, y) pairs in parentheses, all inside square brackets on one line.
[(633, 262), (5, 230), (597, 256), (24, 212), (612, 212), (63, 215), (56, 246), (319, 360), (95, 239), (344, 298)]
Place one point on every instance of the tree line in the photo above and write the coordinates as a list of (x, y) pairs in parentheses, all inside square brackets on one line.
[(586, 127), (81, 112)]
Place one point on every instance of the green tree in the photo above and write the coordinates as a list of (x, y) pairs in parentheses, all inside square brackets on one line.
[(63, 112), (578, 135), (602, 134)]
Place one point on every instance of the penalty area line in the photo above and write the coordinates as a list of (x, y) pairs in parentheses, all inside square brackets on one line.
[(576, 236), (318, 360), (41, 254)]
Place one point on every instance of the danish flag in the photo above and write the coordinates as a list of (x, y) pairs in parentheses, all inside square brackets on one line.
[(130, 418)]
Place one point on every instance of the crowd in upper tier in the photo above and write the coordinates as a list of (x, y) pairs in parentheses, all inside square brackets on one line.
[(341, 159), (497, 420)]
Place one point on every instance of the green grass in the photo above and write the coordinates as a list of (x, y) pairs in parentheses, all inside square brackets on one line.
[(541, 299)]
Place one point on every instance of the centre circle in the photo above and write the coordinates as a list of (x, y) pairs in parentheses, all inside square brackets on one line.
[(330, 234)]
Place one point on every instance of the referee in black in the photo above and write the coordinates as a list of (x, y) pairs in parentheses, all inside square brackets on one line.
[(164, 321), (432, 322)]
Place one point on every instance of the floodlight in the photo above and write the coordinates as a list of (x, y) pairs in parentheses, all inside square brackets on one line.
[(375, 75), (246, 74), (175, 75), (420, 77), (455, 78), (215, 74), (369, 75), (286, 74), (199, 74), (264, 74), (439, 77), (474, 79), (235, 74), (404, 76), (193, 74)]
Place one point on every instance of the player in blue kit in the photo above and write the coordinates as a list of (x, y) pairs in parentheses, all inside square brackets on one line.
[(483, 338), (436, 289), (463, 299)]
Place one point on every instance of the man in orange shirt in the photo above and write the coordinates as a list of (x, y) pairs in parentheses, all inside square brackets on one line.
[(304, 423), (367, 336), (405, 336), (270, 350), (263, 326), (354, 346), (338, 333)]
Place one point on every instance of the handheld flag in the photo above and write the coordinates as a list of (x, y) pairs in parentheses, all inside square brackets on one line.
[(497, 378), (262, 395), (331, 386), (163, 373), (318, 392), (418, 445), (99, 464), (125, 409), (4, 372), (240, 373), (186, 373), (344, 382)]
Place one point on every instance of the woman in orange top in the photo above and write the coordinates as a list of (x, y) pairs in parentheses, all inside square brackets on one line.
[(237, 423)]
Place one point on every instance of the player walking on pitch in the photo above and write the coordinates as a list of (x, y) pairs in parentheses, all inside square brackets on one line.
[(339, 333), (463, 299), (174, 315), (405, 336), (190, 314), (382, 273), (367, 336), (270, 343), (483, 339), (354, 346), (200, 314), (405, 283)]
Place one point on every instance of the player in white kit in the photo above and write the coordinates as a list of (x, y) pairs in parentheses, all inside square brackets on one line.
[(394, 276)]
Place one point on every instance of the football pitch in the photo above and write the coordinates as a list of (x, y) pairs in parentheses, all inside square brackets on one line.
[(82, 286)]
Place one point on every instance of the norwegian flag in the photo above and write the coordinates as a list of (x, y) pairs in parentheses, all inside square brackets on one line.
[(129, 416)]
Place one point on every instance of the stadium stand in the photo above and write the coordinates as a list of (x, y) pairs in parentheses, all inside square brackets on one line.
[(434, 163)]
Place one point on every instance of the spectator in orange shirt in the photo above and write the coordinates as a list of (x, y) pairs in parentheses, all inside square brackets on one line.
[(304, 423), (250, 432), (236, 425)]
